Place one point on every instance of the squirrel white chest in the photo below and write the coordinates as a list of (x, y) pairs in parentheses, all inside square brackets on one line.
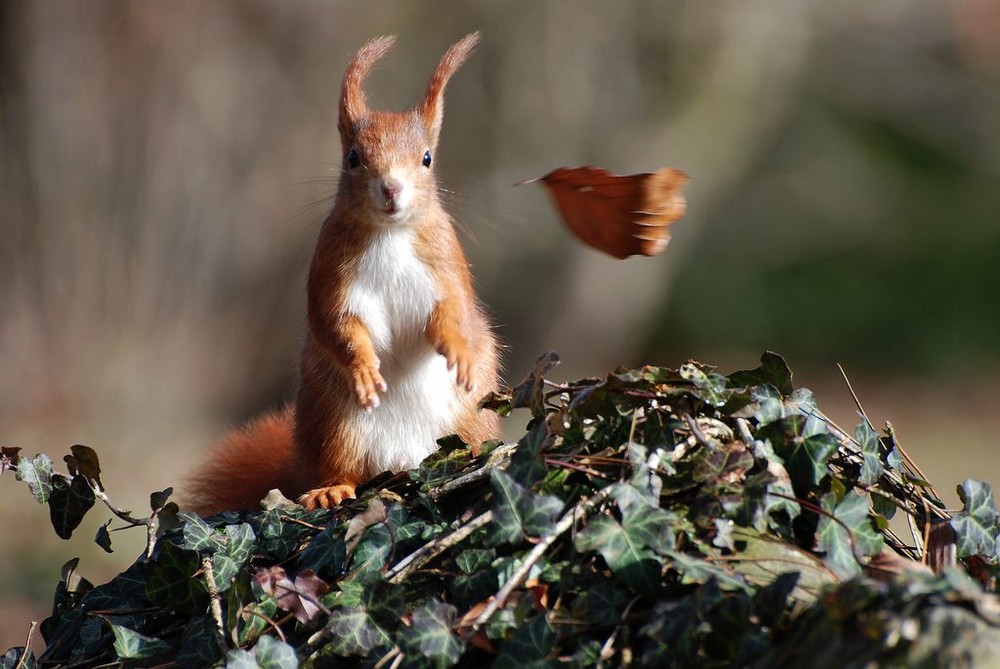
[(393, 294)]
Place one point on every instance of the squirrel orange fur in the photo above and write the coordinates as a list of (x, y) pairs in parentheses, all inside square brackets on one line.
[(398, 350)]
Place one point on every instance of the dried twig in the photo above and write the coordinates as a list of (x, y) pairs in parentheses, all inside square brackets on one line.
[(27, 646), (215, 605), (435, 547), (521, 573)]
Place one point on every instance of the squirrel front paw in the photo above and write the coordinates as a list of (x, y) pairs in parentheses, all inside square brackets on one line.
[(367, 383), (328, 497), (459, 358)]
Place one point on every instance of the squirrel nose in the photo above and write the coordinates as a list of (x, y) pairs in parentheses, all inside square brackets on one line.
[(390, 189)]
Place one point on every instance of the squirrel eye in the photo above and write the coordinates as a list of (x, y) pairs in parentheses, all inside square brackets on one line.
[(352, 159), (427, 158)]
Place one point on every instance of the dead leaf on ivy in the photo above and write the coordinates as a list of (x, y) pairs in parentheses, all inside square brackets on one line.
[(619, 215), (299, 598)]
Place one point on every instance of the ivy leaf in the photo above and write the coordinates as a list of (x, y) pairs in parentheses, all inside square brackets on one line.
[(199, 647), (530, 392), (871, 463), (199, 536), (103, 537), (525, 465), (772, 601), (764, 558), (431, 633), (131, 645), (976, 524), (475, 559), (372, 552), (835, 538), (517, 512), (355, 633), (238, 547), (710, 386), (69, 502), (157, 500), (271, 653), (172, 584), (37, 473), (773, 371), (528, 647), (805, 457), (240, 659), (327, 551), (624, 550)]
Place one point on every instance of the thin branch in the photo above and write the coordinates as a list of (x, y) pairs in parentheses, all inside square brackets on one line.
[(854, 395), (27, 646), (274, 624), (536, 553), (215, 603), (435, 547)]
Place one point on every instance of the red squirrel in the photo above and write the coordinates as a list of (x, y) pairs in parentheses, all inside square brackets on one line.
[(398, 350)]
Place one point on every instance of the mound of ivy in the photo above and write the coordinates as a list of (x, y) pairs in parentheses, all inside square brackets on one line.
[(655, 517)]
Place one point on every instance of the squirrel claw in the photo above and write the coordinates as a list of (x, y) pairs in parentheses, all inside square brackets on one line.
[(328, 497), (367, 384), (459, 359)]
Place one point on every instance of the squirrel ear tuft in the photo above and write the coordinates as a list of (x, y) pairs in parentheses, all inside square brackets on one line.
[(352, 98), (431, 109)]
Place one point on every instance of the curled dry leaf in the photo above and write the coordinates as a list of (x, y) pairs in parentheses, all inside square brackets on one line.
[(300, 598), (619, 215)]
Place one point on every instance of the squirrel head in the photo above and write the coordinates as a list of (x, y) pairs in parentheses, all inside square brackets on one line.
[(387, 156)]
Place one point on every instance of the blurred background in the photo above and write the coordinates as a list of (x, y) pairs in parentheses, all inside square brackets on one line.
[(165, 167)]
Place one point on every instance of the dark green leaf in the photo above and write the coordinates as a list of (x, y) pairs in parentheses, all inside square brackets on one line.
[(976, 524), (625, 551), (849, 529), (431, 633), (517, 512), (130, 645), (15, 658), (69, 502), (772, 601), (199, 647), (710, 386), (805, 458), (103, 538), (172, 584), (327, 552), (355, 633), (773, 371), (238, 547), (530, 646), (199, 536), (871, 464), (158, 499), (372, 552), (525, 465), (474, 559)]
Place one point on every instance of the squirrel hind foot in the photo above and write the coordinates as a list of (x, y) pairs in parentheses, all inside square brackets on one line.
[(328, 497)]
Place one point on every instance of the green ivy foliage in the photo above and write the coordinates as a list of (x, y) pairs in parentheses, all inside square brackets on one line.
[(653, 517)]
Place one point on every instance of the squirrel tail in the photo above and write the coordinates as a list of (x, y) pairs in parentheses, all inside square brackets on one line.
[(245, 466)]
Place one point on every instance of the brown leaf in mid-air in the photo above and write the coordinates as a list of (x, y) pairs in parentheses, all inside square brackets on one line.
[(620, 215)]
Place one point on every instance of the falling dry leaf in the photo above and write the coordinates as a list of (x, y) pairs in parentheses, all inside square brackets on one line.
[(620, 215)]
